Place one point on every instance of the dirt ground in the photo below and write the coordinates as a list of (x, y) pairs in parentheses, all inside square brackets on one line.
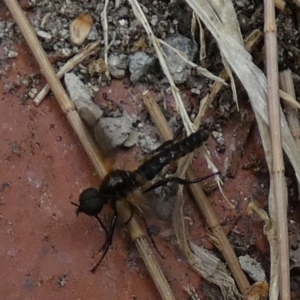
[(46, 251)]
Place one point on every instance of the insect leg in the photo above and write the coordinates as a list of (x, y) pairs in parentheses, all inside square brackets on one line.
[(146, 227), (177, 180), (108, 238), (103, 227), (151, 236)]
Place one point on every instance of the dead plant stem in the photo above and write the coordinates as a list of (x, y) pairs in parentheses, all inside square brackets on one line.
[(278, 210)]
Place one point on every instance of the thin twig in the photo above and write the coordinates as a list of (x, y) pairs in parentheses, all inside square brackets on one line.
[(98, 161), (232, 81), (278, 209), (73, 62), (289, 99), (105, 34), (202, 52)]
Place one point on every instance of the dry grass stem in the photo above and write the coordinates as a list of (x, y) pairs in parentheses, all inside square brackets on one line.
[(105, 34), (252, 40), (68, 108), (289, 99), (206, 210), (279, 215), (157, 116), (232, 85), (270, 232), (202, 52), (70, 65)]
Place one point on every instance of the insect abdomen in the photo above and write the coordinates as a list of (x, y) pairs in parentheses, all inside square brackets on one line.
[(149, 169)]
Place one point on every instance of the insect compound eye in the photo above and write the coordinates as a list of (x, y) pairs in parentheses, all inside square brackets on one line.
[(90, 202)]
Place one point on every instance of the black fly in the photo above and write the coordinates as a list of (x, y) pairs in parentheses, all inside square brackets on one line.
[(118, 184)]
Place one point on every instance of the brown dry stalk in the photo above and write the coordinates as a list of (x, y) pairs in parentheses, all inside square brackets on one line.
[(94, 154), (278, 209), (204, 205)]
